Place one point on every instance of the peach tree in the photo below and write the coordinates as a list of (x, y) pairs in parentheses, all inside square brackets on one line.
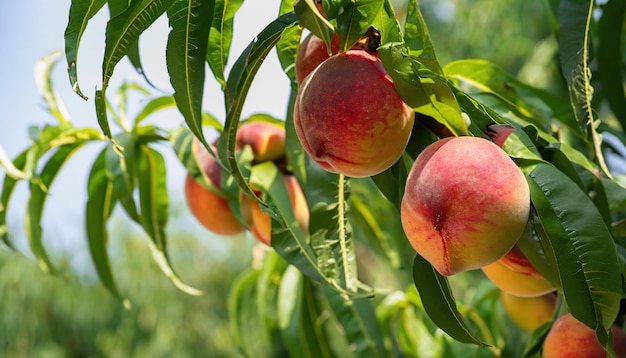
[(349, 281)]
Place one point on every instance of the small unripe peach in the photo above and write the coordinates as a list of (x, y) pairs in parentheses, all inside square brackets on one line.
[(569, 338), (267, 140), (528, 313), (349, 117), (513, 273), (465, 205), (311, 53), (262, 222), (210, 208)]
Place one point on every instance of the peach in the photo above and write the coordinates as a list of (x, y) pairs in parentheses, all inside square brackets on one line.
[(466, 203), (349, 117), (528, 313), (311, 53), (569, 337), (262, 222), (210, 207), (514, 274), (266, 139)]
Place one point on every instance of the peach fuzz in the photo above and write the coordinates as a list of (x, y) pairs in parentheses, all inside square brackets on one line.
[(209, 207), (528, 313), (311, 53), (349, 117), (514, 274), (262, 222), (570, 338), (465, 204), (267, 140)]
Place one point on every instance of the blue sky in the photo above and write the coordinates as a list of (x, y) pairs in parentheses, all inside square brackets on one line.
[(32, 29)]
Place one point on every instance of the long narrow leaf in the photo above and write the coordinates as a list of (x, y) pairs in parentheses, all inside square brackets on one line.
[(583, 245), (37, 201), (439, 302), (100, 204), (153, 201), (43, 73), (187, 43), (221, 37), (8, 186), (81, 11)]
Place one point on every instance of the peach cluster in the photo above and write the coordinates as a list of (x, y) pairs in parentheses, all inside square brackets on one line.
[(210, 206)]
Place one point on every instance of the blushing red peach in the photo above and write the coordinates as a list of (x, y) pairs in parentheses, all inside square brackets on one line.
[(311, 53), (569, 338), (528, 313), (266, 139), (349, 117), (466, 203), (513, 273), (262, 222), (210, 207)]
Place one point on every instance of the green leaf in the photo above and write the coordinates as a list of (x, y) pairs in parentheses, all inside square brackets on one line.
[(81, 11), (134, 56), (287, 49), (43, 72), (354, 20), (417, 38), (424, 90), (310, 18), (583, 246), (120, 170), (37, 201), (100, 204), (10, 168), (439, 303), (298, 317), (154, 204), (376, 221), (8, 186), (238, 83), (221, 36), (122, 33), (387, 23), (187, 43), (609, 56), (358, 319), (533, 104), (155, 105)]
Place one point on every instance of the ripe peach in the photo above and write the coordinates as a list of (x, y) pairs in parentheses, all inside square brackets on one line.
[(569, 337), (514, 274), (349, 117), (266, 139), (210, 208), (465, 205), (262, 222), (528, 313), (311, 53)]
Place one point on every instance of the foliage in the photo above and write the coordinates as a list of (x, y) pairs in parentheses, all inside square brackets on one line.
[(317, 289)]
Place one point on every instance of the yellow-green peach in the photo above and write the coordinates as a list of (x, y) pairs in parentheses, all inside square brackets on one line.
[(528, 313)]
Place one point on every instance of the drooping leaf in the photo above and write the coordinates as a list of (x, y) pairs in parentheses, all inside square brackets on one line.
[(8, 186), (122, 33), (417, 38), (43, 73), (154, 205), (238, 83), (483, 76), (81, 11), (100, 204), (387, 23), (121, 172), (358, 319), (583, 246), (439, 303), (154, 106), (610, 59), (287, 49), (311, 19), (187, 43), (221, 36), (10, 168), (36, 203)]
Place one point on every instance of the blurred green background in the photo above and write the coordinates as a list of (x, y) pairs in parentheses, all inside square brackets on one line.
[(73, 316)]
